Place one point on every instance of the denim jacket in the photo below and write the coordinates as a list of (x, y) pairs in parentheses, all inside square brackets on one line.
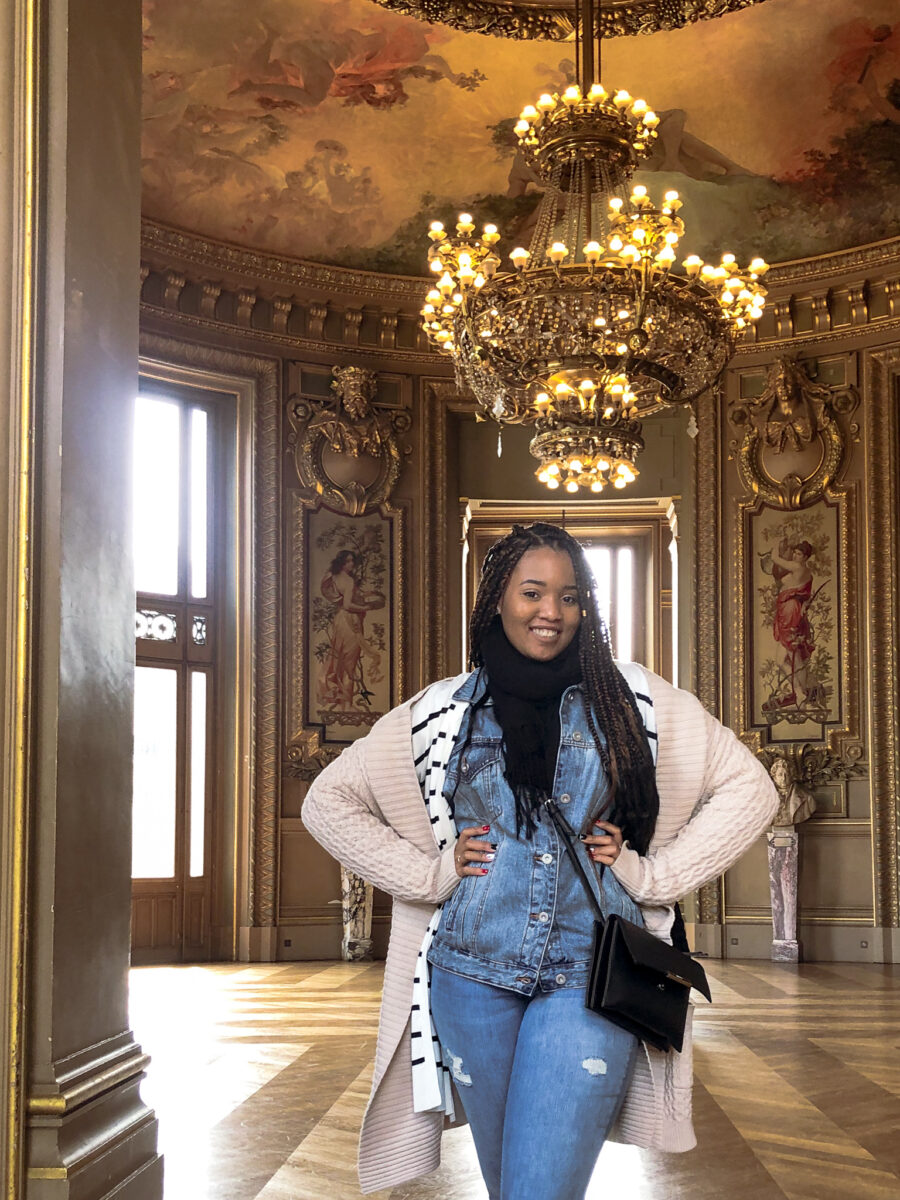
[(526, 924)]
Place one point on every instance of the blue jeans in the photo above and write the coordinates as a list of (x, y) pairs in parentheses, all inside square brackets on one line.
[(541, 1079)]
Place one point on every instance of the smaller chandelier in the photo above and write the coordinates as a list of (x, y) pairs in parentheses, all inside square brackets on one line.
[(592, 327)]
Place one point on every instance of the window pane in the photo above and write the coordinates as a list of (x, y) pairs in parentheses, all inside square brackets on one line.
[(600, 562), (198, 769), (155, 765), (199, 435), (156, 492), (624, 603)]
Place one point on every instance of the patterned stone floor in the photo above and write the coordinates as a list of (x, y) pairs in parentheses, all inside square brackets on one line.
[(260, 1075)]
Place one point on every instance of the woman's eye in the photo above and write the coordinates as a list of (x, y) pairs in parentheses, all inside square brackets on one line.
[(531, 595), (570, 599)]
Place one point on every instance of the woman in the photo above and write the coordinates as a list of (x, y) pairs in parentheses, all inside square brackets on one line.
[(343, 678), (442, 805)]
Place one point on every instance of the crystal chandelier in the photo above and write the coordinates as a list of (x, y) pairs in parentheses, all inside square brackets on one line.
[(591, 328)]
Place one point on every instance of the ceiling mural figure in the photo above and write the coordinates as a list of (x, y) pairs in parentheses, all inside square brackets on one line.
[(335, 130)]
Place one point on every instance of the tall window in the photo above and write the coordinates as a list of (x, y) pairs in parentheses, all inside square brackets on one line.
[(177, 624)]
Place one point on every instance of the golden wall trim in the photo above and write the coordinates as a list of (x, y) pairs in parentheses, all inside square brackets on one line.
[(262, 833), (22, 60), (881, 392), (707, 606)]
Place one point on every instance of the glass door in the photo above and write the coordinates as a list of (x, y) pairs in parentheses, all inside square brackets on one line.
[(176, 620)]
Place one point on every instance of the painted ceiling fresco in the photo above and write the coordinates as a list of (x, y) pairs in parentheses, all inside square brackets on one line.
[(334, 130)]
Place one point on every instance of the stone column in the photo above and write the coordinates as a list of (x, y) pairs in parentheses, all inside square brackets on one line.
[(783, 846), (81, 1130)]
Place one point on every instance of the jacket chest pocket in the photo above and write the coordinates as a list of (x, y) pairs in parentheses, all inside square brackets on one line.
[(480, 792)]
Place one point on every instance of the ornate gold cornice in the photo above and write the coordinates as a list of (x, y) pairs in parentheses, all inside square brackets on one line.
[(173, 245), (555, 21), (839, 262), (160, 242)]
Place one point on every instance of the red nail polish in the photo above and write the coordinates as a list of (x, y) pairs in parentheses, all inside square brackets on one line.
[(485, 828), (484, 870)]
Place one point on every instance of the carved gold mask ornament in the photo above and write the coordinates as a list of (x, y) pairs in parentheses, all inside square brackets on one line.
[(795, 435), (350, 426), (592, 327)]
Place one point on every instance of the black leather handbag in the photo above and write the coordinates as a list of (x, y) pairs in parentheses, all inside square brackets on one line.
[(637, 981)]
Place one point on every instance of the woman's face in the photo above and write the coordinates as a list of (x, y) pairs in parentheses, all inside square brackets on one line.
[(540, 608)]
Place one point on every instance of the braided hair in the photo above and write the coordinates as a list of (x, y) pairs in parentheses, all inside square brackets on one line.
[(610, 703)]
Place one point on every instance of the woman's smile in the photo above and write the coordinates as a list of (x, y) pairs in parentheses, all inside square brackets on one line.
[(540, 608)]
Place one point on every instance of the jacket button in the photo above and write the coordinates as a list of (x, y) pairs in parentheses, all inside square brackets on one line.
[(543, 917), (565, 798), (546, 858), (577, 736), (560, 979)]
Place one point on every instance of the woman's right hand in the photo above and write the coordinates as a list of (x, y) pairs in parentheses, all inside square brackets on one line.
[(469, 853)]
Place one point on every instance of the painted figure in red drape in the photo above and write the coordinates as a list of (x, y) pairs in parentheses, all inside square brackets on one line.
[(343, 677), (790, 626)]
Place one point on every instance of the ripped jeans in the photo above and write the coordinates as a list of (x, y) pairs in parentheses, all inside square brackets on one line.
[(541, 1079)]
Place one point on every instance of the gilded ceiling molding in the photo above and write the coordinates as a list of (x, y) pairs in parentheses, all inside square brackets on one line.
[(263, 825), (164, 243), (299, 346), (165, 246), (555, 22), (881, 388), (791, 415), (839, 262), (350, 425)]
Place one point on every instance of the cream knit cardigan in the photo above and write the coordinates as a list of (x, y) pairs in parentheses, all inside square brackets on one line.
[(366, 809)]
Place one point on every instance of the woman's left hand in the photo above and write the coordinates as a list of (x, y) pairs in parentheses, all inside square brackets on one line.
[(605, 847)]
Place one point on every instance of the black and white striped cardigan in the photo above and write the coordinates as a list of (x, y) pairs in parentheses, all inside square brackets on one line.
[(436, 722)]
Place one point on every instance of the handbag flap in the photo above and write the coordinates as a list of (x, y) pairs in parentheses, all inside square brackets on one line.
[(646, 950)]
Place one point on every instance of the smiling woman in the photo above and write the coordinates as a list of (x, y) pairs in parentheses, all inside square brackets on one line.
[(503, 961), (540, 609)]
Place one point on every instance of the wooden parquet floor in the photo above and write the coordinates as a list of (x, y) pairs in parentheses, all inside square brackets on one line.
[(260, 1075)]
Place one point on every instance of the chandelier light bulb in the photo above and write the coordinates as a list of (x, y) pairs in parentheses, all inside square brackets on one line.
[(519, 257), (592, 252), (572, 95), (598, 93), (651, 120), (622, 99), (546, 102), (597, 486), (552, 483), (557, 252), (572, 486)]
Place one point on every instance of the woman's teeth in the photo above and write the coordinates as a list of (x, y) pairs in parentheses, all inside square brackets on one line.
[(546, 634)]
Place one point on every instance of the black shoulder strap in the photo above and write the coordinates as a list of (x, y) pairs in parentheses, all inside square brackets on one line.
[(567, 835)]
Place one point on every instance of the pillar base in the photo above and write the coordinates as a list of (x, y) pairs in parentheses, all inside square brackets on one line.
[(258, 943), (785, 951)]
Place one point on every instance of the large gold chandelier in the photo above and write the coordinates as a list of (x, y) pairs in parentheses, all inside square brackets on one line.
[(592, 327)]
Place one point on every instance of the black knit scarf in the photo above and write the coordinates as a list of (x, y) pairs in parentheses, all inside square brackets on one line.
[(526, 694)]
